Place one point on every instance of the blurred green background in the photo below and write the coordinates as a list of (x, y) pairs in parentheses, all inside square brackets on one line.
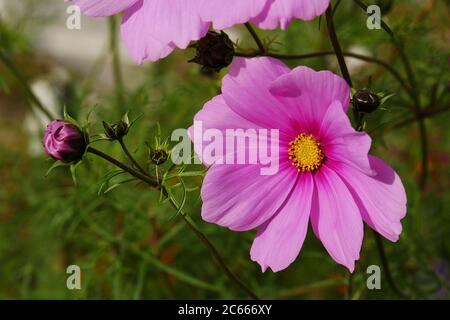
[(127, 244)]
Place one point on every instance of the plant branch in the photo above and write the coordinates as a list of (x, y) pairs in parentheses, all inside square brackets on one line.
[(212, 249), (152, 182), (337, 47), (414, 95), (385, 263), (400, 48), (255, 36), (130, 156), (424, 114), (358, 119)]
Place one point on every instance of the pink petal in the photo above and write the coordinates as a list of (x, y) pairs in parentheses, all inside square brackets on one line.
[(102, 8), (174, 22), (381, 198), (138, 40), (218, 116), (282, 12), (317, 89), (225, 14), (279, 241), (245, 90), (336, 219), (240, 198), (341, 142)]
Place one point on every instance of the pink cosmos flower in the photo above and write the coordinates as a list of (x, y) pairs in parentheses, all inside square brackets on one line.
[(325, 174), (151, 29)]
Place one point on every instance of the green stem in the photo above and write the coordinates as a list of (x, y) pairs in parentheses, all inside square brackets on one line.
[(255, 36), (359, 121), (349, 293), (414, 95), (9, 64), (147, 257), (385, 263), (152, 182), (116, 64), (400, 48), (213, 250), (337, 47), (128, 154), (426, 113), (358, 116)]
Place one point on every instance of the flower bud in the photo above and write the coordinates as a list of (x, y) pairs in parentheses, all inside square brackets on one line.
[(158, 156), (116, 130), (366, 101), (215, 51), (63, 141)]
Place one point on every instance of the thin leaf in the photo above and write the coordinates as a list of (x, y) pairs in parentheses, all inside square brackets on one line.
[(56, 164)]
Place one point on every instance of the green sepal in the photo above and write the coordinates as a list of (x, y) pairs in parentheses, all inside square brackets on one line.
[(73, 168), (55, 165), (71, 120)]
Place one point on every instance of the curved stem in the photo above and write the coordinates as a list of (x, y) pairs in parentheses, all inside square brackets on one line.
[(152, 182), (387, 270), (358, 116), (400, 48), (9, 64), (414, 95), (358, 119), (128, 154), (426, 113), (213, 250), (255, 36), (337, 47)]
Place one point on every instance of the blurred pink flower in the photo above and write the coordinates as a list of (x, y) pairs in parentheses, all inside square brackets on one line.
[(151, 29), (325, 174)]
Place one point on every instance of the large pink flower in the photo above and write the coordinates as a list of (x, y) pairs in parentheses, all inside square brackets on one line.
[(325, 174), (151, 29)]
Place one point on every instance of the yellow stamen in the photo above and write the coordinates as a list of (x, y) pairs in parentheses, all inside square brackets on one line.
[(306, 153)]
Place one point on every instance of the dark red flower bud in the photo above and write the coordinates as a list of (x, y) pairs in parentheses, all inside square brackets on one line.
[(215, 51), (366, 101), (64, 141)]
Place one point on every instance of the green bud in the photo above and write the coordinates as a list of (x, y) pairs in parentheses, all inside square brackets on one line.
[(116, 130), (158, 156)]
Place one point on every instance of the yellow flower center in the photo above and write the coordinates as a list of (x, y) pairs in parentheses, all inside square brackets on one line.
[(306, 153)]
